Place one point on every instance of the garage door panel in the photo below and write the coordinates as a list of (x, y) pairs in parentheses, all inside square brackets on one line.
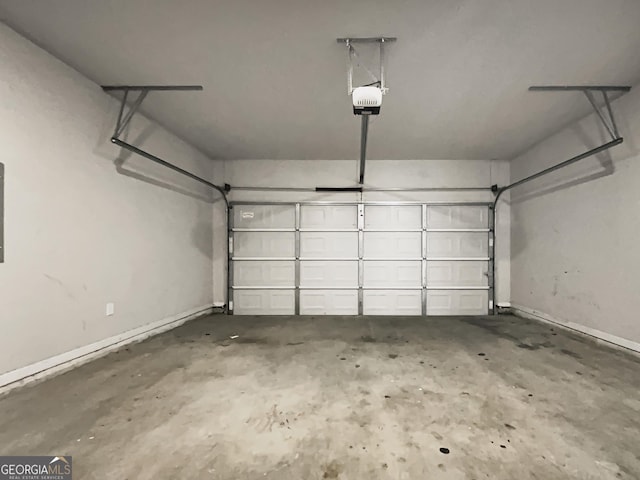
[(264, 244), (457, 244), (457, 302), (264, 216), (387, 217), (329, 244), (329, 302), (453, 273), (392, 274), (328, 217), (457, 217), (392, 245), (392, 302), (457, 283), (261, 274), (328, 274), (264, 302)]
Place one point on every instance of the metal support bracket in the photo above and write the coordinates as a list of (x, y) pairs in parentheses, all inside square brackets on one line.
[(352, 54), (609, 124), (123, 122), (125, 118)]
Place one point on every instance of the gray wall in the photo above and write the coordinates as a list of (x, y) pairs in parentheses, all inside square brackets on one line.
[(86, 224), (575, 233)]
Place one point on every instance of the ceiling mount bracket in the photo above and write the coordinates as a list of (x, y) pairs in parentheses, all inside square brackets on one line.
[(123, 119), (588, 90), (370, 97), (379, 79)]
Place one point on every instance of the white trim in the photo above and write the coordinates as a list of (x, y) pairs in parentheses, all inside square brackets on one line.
[(66, 361), (532, 314)]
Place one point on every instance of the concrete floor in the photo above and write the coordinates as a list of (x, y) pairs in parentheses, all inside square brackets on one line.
[(341, 398)]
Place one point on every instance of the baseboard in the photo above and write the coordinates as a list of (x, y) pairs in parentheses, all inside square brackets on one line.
[(532, 314), (66, 361)]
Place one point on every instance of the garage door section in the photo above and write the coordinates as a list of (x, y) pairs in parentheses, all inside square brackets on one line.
[(328, 259), (263, 247), (378, 259), (392, 266), (457, 273)]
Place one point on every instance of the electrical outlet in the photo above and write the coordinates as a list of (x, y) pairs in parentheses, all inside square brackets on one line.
[(111, 308)]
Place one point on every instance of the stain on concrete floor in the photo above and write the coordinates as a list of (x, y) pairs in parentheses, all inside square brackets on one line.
[(277, 402)]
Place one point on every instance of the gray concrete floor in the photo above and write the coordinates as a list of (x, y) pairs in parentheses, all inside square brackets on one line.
[(341, 398)]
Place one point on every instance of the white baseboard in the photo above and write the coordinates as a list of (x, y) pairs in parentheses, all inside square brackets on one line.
[(74, 358), (532, 314)]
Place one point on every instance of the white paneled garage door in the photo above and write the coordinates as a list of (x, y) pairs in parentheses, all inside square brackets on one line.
[(350, 259)]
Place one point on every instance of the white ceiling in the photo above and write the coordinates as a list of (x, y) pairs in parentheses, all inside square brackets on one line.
[(275, 77)]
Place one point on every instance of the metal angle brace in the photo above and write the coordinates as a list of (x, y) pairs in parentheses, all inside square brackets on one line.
[(123, 122), (125, 118), (588, 90)]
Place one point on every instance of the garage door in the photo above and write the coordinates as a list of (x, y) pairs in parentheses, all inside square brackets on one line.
[(350, 259)]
